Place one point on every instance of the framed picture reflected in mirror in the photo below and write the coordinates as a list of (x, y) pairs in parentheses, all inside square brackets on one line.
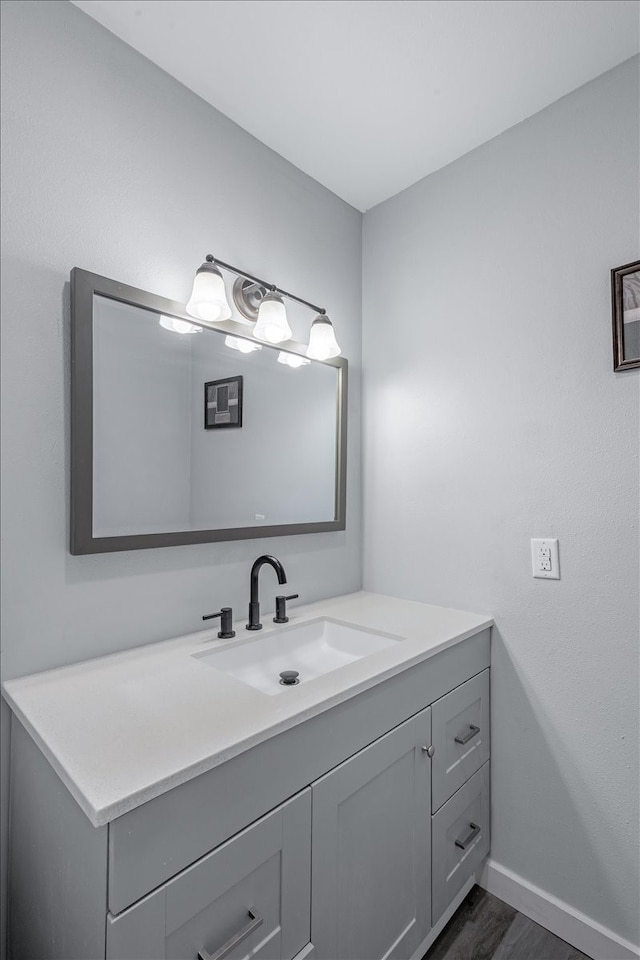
[(625, 309), (223, 403)]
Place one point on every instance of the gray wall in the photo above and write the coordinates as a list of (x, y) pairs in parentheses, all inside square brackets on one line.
[(111, 165), (493, 416)]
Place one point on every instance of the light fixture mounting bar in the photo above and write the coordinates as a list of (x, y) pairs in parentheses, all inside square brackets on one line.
[(292, 296), (263, 283)]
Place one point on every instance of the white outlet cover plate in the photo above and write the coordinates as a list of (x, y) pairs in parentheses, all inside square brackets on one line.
[(538, 552)]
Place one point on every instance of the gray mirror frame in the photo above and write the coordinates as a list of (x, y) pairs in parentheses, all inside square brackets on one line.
[(83, 287)]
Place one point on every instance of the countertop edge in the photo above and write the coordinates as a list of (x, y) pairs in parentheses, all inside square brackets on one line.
[(67, 779)]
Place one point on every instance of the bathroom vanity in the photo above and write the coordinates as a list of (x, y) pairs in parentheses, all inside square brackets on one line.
[(161, 807)]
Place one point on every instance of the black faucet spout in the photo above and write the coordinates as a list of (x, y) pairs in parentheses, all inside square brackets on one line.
[(254, 603)]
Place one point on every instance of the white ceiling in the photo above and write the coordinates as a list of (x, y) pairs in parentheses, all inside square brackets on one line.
[(368, 96)]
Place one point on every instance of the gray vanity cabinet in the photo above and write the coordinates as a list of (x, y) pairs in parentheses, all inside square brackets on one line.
[(350, 835), (371, 875), (253, 890)]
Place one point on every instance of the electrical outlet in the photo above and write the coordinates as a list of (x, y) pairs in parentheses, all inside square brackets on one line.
[(544, 559)]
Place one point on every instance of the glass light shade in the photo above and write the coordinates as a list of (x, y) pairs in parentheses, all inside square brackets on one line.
[(208, 300), (272, 325), (322, 340), (292, 359), (238, 343), (178, 326)]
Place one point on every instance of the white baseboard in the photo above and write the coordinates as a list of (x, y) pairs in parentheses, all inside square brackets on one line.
[(567, 923)]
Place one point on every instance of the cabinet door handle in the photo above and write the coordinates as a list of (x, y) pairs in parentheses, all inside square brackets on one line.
[(463, 842), (255, 921), (473, 730)]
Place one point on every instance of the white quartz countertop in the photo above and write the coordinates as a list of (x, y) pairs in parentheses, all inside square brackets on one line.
[(125, 728)]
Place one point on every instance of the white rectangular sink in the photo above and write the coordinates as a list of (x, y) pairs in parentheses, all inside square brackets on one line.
[(313, 649)]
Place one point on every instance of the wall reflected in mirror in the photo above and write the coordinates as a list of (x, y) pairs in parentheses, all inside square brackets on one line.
[(156, 465)]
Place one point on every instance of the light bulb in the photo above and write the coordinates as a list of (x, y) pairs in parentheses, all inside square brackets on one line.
[(292, 359), (179, 326), (208, 300), (239, 343), (272, 325), (322, 339)]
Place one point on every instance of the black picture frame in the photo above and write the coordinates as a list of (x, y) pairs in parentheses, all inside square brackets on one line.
[(223, 403), (625, 301)]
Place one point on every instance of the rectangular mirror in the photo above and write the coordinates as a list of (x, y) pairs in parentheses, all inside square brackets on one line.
[(179, 435)]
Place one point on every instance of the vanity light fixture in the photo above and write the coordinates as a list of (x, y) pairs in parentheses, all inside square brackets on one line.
[(239, 343), (322, 340), (179, 326), (272, 324), (292, 359), (260, 303), (208, 300)]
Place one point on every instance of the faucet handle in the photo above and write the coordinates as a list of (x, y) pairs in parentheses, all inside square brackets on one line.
[(281, 608), (226, 631)]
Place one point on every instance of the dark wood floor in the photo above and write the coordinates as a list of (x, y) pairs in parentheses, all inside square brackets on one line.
[(485, 928)]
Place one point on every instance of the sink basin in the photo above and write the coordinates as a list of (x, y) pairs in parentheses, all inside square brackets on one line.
[(313, 649)]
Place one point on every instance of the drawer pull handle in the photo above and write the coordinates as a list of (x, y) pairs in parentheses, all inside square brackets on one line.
[(463, 842), (255, 921), (473, 730)]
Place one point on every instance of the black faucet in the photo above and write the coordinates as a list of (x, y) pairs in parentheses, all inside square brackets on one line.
[(254, 605)]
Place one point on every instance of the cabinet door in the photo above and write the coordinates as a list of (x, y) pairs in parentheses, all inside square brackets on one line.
[(371, 867), (255, 884)]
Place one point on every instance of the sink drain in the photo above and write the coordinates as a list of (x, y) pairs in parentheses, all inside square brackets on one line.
[(289, 678)]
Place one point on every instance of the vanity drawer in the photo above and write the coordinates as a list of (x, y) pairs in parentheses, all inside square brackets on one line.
[(460, 839), (460, 737), (257, 884)]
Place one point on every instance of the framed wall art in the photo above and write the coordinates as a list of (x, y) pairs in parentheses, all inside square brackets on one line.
[(223, 403), (625, 310)]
